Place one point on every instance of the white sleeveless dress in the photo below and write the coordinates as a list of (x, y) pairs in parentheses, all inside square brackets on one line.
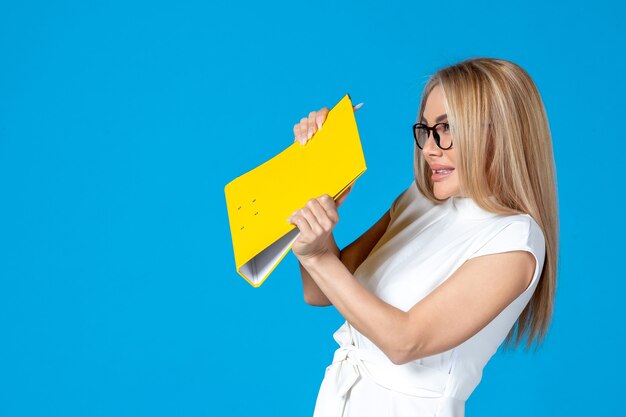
[(422, 246)]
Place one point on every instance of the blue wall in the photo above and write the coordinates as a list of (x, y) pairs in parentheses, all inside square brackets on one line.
[(121, 122)]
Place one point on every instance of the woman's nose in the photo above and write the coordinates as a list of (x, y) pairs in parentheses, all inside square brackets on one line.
[(430, 147)]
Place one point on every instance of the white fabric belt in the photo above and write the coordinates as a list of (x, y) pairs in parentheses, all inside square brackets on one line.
[(350, 362)]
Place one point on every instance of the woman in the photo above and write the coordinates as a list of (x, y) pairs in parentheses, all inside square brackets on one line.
[(467, 253)]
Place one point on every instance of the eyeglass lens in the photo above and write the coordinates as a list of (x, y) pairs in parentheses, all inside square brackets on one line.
[(442, 130)]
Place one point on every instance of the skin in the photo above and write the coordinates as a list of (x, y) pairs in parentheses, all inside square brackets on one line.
[(452, 313), (433, 154)]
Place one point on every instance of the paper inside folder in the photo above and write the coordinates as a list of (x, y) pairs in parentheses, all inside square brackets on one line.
[(259, 267)]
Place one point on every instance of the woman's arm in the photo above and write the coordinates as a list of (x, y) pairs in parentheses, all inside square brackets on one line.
[(312, 293), (452, 313), (455, 311), (351, 256)]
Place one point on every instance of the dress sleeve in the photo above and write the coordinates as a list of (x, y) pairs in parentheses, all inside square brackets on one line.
[(520, 234)]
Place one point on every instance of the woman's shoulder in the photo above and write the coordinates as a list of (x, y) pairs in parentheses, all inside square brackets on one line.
[(513, 232), (522, 220)]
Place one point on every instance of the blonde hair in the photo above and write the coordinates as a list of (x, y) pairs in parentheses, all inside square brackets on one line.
[(503, 148)]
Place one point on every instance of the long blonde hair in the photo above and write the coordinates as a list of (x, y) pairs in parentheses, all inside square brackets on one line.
[(503, 148)]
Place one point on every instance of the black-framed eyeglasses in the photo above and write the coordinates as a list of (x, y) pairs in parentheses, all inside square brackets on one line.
[(441, 134)]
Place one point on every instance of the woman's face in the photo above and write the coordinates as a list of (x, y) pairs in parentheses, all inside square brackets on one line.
[(442, 162)]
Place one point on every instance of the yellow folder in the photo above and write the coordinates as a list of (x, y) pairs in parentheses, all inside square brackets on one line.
[(260, 201)]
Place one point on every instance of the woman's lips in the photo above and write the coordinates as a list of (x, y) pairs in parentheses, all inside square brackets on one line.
[(439, 175)]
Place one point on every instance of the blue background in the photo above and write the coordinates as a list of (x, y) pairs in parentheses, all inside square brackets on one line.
[(121, 122)]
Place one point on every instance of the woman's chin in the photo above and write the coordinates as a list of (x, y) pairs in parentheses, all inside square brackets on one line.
[(444, 189), (441, 193)]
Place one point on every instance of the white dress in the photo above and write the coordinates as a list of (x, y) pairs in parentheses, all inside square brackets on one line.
[(422, 246)]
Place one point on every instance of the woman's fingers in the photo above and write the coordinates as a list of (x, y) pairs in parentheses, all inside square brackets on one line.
[(312, 227), (330, 207), (296, 131), (300, 130), (307, 127), (320, 118), (323, 212), (304, 127), (312, 125), (316, 220), (318, 216), (299, 219)]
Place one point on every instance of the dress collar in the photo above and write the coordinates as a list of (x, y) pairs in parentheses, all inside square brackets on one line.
[(467, 207)]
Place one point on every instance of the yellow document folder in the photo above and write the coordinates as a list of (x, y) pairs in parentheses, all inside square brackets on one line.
[(260, 201)]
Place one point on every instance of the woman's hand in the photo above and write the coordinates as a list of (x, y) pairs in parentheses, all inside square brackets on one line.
[(316, 222), (307, 127)]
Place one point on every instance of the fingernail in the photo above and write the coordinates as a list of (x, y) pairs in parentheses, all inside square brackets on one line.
[(310, 133), (358, 106), (319, 125)]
